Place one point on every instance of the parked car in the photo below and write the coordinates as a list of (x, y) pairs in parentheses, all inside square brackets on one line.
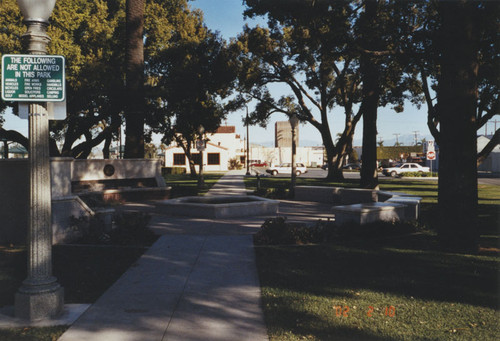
[(286, 168), (258, 164), (405, 167), (351, 166)]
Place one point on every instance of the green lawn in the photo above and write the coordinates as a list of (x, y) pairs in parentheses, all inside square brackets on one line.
[(399, 288), (184, 185)]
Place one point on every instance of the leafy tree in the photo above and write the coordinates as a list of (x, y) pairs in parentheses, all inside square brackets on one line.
[(427, 47), (72, 37), (192, 80), (306, 47), (91, 35), (457, 53), (330, 53), (464, 25), (383, 32)]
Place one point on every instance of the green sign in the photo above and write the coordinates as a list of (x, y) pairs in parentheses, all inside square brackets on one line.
[(33, 78)]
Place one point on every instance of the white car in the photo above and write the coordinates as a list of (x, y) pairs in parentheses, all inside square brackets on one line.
[(405, 167), (286, 168)]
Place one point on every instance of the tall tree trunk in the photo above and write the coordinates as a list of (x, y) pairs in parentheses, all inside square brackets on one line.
[(107, 144), (371, 94), (134, 115), (457, 98)]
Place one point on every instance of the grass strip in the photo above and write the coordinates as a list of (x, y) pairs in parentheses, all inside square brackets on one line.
[(184, 185), (394, 289)]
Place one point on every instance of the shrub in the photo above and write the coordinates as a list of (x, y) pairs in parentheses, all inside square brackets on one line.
[(173, 170), (131, 228), (418, 174), (278, 231), (234, 164)]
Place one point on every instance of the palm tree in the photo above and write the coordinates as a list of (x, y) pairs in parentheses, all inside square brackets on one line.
[(134, 60)]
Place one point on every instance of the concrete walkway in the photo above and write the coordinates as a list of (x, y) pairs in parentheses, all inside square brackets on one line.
[(197, 282)]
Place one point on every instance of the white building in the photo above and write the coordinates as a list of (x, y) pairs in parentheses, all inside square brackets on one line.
[(492, 162), (309, 156), (222, 146), (225, 145)]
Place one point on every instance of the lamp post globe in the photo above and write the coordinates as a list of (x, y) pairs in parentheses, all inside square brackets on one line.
[(36, 15), (36, 10)]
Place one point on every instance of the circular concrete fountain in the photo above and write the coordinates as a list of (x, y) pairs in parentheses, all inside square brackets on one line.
[(218, 206)]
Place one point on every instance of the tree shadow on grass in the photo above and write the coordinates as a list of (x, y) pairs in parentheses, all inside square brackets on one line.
[(388, 268)]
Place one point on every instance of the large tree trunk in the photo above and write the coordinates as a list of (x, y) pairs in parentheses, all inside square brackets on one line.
[(371, 94), (457, 98), (134, 115)]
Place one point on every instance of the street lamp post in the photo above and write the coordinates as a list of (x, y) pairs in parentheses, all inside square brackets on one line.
[(294, 122), (40, 295), (248, 145)]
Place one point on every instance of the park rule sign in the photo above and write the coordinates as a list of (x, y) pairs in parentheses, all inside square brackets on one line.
[(33, 78)]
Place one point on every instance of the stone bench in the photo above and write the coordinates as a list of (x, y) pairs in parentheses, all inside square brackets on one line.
[(350, 196), (322, 194), (368, 213), (412, 206)]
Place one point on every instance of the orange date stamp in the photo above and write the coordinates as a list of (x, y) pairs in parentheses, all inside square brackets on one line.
[(344, 311)]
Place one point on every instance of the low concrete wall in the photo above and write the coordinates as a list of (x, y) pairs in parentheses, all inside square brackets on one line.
[(363, 205), (350, 196), (218, 206), (335, 195), (368, 213), (117, 169), (63, 208), (14, 199), (14, 191), (318, 194)]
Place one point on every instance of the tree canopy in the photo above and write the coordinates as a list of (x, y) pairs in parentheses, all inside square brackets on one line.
[(192, 81), (321, 50), (91, 35)]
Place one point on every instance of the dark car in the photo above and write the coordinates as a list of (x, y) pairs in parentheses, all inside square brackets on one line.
[(352, 166)]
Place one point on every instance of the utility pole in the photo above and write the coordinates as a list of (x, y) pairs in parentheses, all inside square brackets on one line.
[(416, 136), (397, 140)]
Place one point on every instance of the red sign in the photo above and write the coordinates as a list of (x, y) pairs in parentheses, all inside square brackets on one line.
[(431, 155)]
